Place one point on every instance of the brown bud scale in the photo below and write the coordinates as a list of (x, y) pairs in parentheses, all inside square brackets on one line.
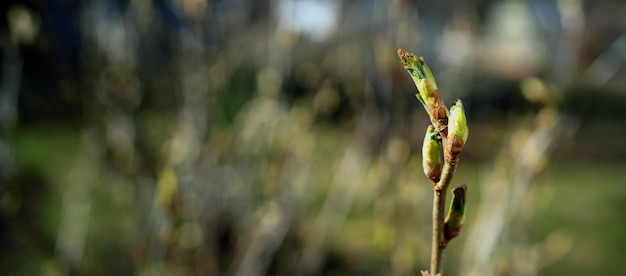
[(433, 172), (455, 144)]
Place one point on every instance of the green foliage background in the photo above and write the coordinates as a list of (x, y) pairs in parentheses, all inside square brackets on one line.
[(230, 137)]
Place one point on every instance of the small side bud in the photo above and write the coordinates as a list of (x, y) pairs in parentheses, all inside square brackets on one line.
[(454, 221), (431, 154), (457, 129)]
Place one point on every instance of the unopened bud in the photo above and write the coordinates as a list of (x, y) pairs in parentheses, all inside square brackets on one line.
[(457, 129), (421, 75), (454, 221), (431, 154)]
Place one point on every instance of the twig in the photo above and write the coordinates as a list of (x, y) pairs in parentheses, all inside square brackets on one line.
[(438, 245), (439, 201), (450, 129)]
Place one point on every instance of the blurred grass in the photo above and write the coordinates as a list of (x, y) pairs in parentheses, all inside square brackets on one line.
[(38, 144), (581, 217), (587, 209)]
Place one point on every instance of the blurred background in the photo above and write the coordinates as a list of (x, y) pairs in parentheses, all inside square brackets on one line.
[(283, 137)]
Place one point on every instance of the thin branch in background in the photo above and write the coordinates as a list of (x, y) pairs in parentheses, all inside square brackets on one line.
[(510, 181), (504, 192), (77, 202), (348, 178), (11, 65)]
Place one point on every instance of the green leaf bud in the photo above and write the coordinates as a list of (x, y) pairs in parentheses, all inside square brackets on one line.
[(454, 221), (431, 154), (421, 75), (457, 129)]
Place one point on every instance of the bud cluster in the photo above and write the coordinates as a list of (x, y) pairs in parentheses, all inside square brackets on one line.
[(448, 132), (450, 126)]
